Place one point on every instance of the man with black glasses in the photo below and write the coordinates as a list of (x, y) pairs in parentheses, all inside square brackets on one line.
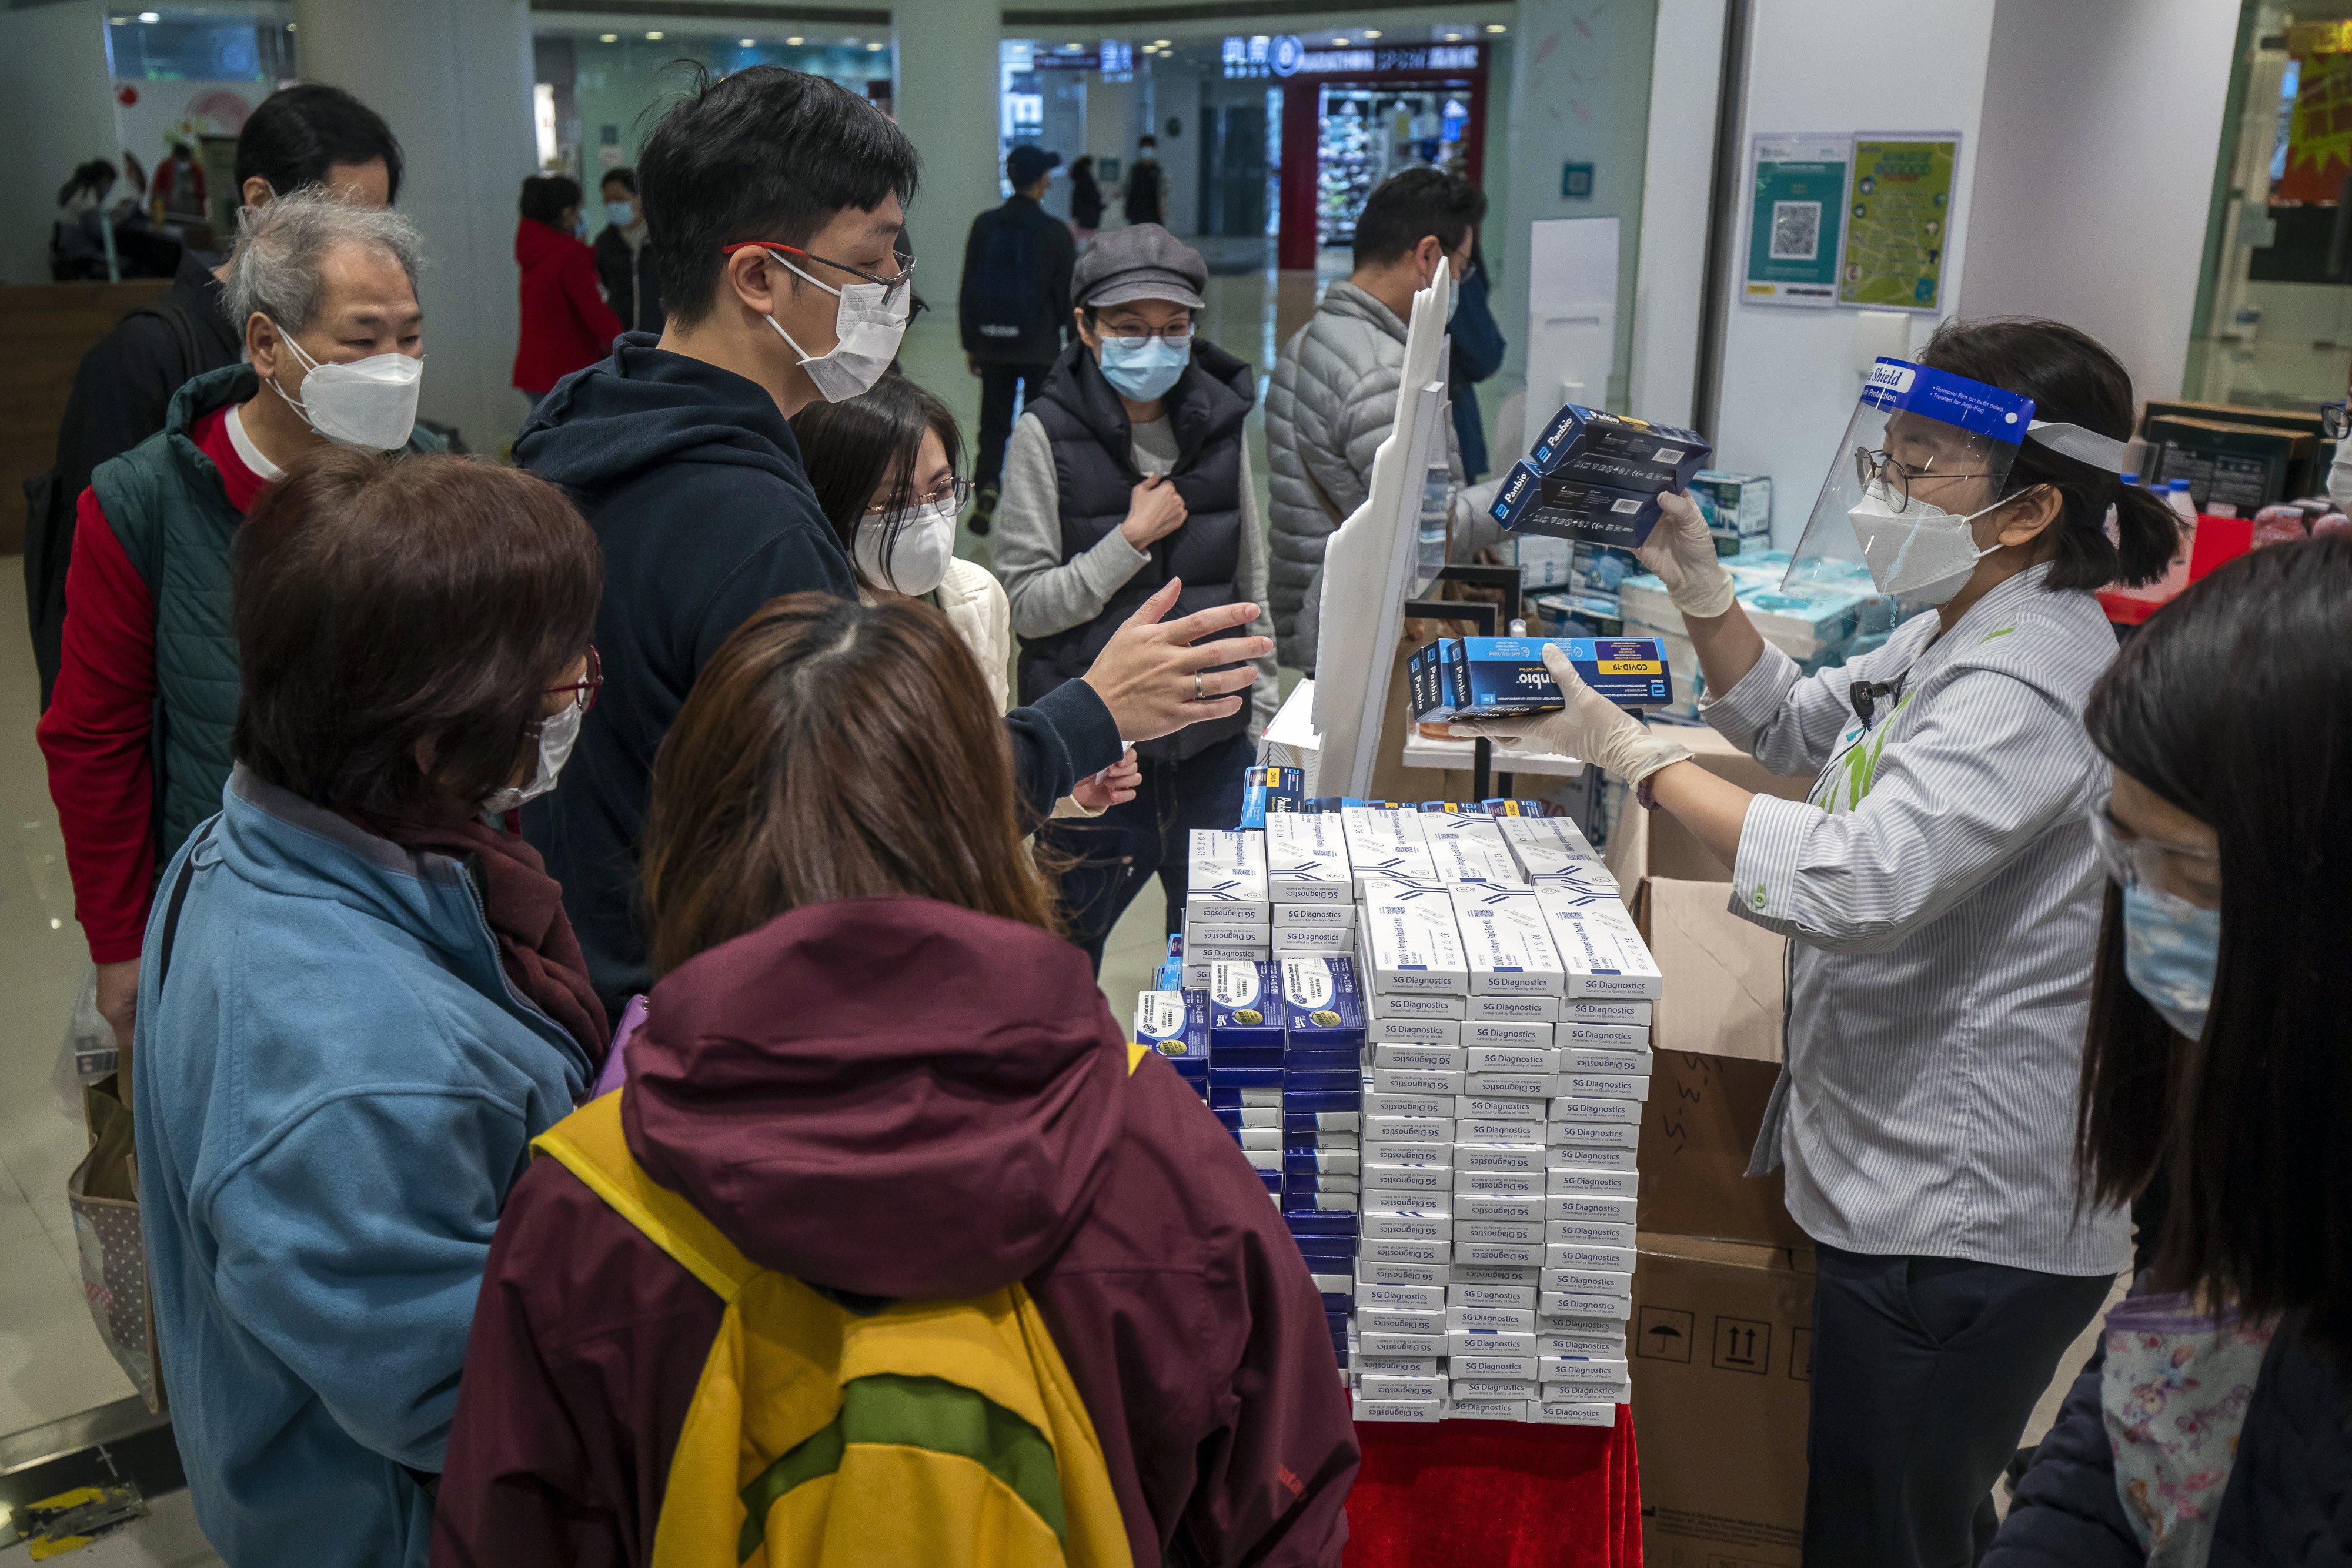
[(775, 202)]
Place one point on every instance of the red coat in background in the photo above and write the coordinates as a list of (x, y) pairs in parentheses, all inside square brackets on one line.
[(566, 325)]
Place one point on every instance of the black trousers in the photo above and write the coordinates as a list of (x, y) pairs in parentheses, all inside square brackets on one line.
[(1118, 852), (1924, 1373), (997, 384)]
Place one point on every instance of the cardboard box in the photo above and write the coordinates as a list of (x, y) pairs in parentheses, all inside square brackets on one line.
[(1721, 1352)]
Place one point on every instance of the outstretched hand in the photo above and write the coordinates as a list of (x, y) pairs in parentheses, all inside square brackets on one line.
[(1156, 680)]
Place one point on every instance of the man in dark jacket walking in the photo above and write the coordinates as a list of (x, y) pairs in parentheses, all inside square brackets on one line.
[(1147, 187), (775, 204), (1014, 309)]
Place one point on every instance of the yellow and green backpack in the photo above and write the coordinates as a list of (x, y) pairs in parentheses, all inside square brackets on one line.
[(930, 1432)]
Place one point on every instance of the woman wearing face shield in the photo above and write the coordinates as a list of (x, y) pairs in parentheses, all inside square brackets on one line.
[(1940, 890), (883, 468)]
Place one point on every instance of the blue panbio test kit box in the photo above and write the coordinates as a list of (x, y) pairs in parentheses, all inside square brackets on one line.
[(1487, 677), (1617, 451), (1270, 789), (1528, 503)]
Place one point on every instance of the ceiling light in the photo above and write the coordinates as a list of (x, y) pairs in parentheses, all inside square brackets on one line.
[(1339, 42), (654, 37), (796, 43), (1372, 32), (873, 48), (1496, 27), (747, 43), (151, 16), (608, 37), (1453, 37), (1072, 49), (1160, 44)]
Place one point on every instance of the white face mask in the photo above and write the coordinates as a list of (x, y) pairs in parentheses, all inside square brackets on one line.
[(557, 737), (1922, 553), (369, 404), (917, 558), (868, 325), (2339, 477)]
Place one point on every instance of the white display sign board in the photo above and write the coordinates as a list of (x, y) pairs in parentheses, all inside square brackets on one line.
[(1369, 561)]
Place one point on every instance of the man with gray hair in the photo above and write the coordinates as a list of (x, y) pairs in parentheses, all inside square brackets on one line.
[(137, 735)]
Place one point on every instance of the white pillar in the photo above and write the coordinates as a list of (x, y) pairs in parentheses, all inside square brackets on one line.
[(453, 78), (945, 98)]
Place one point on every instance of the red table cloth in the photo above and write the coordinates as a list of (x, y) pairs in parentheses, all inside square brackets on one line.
[(1495, 1494)]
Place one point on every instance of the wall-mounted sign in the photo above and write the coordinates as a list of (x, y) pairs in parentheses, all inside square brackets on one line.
[(1795, 219), (1285, 55), (1898, 220)]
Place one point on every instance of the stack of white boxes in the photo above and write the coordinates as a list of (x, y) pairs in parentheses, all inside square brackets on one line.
[(1227, 918), (1508, 1045)]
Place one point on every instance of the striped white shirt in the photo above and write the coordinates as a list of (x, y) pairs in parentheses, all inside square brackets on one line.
[(1941, 891)]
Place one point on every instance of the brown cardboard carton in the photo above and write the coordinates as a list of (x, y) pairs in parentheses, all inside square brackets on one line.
[(1721, 1355), (1717, 1029)]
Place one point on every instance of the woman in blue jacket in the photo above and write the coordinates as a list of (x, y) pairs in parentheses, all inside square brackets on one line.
[(2212, 1426), (359, 998)]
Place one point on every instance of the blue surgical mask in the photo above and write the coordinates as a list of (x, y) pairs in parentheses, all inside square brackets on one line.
[(2170, 949), (1144, 368), (620, 215), (1453, 297)]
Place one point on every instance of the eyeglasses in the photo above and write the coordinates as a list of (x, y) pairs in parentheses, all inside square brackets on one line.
[(2333, 423), (1895, 476), (891, 287), (583, 690), (2190, 871), (958, 489), (1175, 332)]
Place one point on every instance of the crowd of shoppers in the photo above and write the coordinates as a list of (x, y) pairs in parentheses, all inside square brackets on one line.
[(390, 780)]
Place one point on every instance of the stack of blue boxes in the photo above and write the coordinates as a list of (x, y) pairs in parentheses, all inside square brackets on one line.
[(1323, 1097), (1243, 1004)]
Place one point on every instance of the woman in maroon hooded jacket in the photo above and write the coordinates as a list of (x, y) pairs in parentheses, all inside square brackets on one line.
[(873, 1064), (566, 325)]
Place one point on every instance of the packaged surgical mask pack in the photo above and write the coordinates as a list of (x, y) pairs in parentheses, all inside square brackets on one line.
[(1498, 677)]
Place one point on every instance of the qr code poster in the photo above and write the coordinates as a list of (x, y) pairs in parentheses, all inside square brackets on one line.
[(1798, 210)]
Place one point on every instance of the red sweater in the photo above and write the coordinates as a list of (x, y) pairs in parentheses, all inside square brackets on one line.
[(95, 732), (566, 325)]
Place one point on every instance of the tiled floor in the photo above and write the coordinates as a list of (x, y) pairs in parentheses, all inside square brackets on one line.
[(167, 1538), (52, 1363)]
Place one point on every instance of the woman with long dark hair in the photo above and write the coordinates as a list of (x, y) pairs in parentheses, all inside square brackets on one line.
[(2216, 1424), (884, 467), (872, 1066), (1938, 887)]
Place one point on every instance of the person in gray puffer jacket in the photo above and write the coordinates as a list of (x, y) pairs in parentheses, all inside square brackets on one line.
[(1334, 392)]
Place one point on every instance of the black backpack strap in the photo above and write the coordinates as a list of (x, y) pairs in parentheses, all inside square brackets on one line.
[(171, 920), (169, 312)]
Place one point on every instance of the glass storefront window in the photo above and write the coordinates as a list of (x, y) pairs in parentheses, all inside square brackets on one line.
[(2274, 322)]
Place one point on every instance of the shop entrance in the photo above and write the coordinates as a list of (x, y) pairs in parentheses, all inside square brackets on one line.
[(1366, 114)]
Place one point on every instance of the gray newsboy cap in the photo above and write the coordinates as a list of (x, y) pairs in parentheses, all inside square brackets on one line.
[(1142, 261)]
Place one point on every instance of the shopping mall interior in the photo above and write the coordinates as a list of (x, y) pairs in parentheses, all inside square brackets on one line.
[(2172, 177)]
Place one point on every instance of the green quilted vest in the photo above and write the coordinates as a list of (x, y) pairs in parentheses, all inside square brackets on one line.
[(166, 503)]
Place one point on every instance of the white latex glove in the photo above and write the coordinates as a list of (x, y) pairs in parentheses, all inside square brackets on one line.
[(1590, 727), (1679, 550)]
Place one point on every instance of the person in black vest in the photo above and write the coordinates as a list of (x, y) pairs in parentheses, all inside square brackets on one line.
[(624, 262), (1014, 309), (1132, 471), (1085, 202)]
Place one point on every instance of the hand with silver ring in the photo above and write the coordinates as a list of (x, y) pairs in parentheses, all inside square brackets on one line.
[(1197, 693)]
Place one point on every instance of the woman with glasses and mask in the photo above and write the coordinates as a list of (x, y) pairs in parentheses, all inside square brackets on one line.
[(359, 1000), (1130, 472), (1939, 889), (2212, 1427), (884, 469)]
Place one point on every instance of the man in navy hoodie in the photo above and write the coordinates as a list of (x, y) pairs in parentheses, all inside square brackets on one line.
[(775, 202)]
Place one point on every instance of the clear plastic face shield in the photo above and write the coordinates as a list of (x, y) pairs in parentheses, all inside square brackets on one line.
[(1924, 457)]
